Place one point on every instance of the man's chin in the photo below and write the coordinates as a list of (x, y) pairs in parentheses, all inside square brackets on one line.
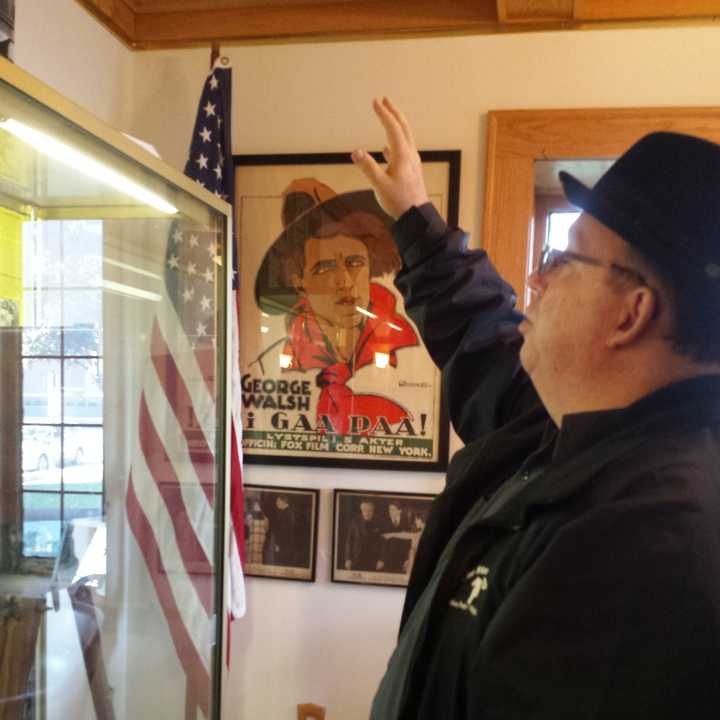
[(348, 322), (526, 358)]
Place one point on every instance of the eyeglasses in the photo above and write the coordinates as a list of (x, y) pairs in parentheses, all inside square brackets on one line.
[(552, 259)]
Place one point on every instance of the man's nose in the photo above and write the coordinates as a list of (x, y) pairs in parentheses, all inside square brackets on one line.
[(343, 276)]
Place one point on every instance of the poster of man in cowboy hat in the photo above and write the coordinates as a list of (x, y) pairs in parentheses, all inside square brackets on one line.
[(332, 368)]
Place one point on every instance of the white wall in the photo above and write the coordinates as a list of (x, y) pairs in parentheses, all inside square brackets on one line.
[(61, 44), (323, 642)]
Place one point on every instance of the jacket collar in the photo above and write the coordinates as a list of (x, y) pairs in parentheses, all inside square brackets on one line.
[(588, 441), (580, 431)]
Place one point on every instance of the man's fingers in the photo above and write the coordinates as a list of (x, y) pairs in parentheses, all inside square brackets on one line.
[(401, 121), (393, 130), (370, 168)]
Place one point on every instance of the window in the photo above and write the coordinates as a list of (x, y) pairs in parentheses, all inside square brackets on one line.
[(62, 392), (558, 225)]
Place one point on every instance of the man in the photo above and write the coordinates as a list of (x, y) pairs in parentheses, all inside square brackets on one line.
[(571, 567), (362, 543), (284, 537), (319, 273), (395, 548)]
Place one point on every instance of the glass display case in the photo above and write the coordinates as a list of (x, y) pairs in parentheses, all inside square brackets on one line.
[(113, 290)]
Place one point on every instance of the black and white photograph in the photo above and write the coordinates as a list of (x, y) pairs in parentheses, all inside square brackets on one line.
[(376, 535), (280, 532)]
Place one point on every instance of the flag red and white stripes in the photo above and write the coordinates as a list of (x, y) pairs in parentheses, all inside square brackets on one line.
[(170, 500)]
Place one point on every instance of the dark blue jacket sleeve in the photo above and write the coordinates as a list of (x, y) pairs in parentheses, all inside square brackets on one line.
[(466, 315)]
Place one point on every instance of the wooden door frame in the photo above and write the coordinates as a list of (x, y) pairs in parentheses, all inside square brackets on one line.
[(517, 138)]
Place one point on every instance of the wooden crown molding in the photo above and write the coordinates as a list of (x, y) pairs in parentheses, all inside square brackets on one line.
[(184, 23)]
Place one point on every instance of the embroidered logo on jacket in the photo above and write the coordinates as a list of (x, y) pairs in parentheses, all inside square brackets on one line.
[(478, 584)]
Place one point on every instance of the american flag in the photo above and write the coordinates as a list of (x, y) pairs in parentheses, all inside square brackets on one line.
[(210, 163), (170, 498)]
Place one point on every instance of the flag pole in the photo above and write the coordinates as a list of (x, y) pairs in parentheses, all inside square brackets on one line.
[(214, 54)]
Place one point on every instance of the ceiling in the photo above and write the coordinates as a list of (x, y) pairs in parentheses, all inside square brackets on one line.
[(149, 24)]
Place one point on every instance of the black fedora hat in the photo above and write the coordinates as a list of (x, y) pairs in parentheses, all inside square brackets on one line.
[(307, 205), (663, 197)]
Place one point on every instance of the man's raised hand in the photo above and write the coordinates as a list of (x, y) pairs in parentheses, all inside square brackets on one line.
[(400, 184)]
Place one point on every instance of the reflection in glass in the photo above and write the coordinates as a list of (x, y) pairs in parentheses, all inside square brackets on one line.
[(83, 452), (41, 524), (110, 372), (82, 391), (41, 391), (41, 456), (42, 310), (82, 505)]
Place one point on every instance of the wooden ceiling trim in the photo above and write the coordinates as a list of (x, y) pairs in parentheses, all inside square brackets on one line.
[(172, 23), (646, 9), (117, 15), (368, 17), (578, 11), (512, 11)]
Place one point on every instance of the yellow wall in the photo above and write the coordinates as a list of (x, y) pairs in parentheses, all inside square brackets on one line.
[(11, 281)]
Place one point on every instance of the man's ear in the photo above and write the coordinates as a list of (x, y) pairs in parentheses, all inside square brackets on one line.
[(638, 313)]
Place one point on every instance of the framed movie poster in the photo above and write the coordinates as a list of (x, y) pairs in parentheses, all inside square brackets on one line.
[(280, 532), (333, 370), (375, 536)]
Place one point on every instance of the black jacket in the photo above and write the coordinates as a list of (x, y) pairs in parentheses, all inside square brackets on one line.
[(571, 574)]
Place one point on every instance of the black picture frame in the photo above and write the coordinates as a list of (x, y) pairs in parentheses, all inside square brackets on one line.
[(276, 546), (276, 435), (378, 553)]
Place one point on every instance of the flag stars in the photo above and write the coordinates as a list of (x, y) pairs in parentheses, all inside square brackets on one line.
[(210, 110), (173, 262), (202, 162), (208, 275), (205, 134), (218, 172), (201, 329), (194, 242), (213, 82), (205, 302), (188, 294), (191, 268), (178, 237), (212, 249)]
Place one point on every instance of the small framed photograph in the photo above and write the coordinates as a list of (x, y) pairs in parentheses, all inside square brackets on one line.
[(280, 532), (376, 535), (333, 370)]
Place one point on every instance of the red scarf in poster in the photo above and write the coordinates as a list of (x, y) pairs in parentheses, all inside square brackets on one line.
[(309, 348)]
